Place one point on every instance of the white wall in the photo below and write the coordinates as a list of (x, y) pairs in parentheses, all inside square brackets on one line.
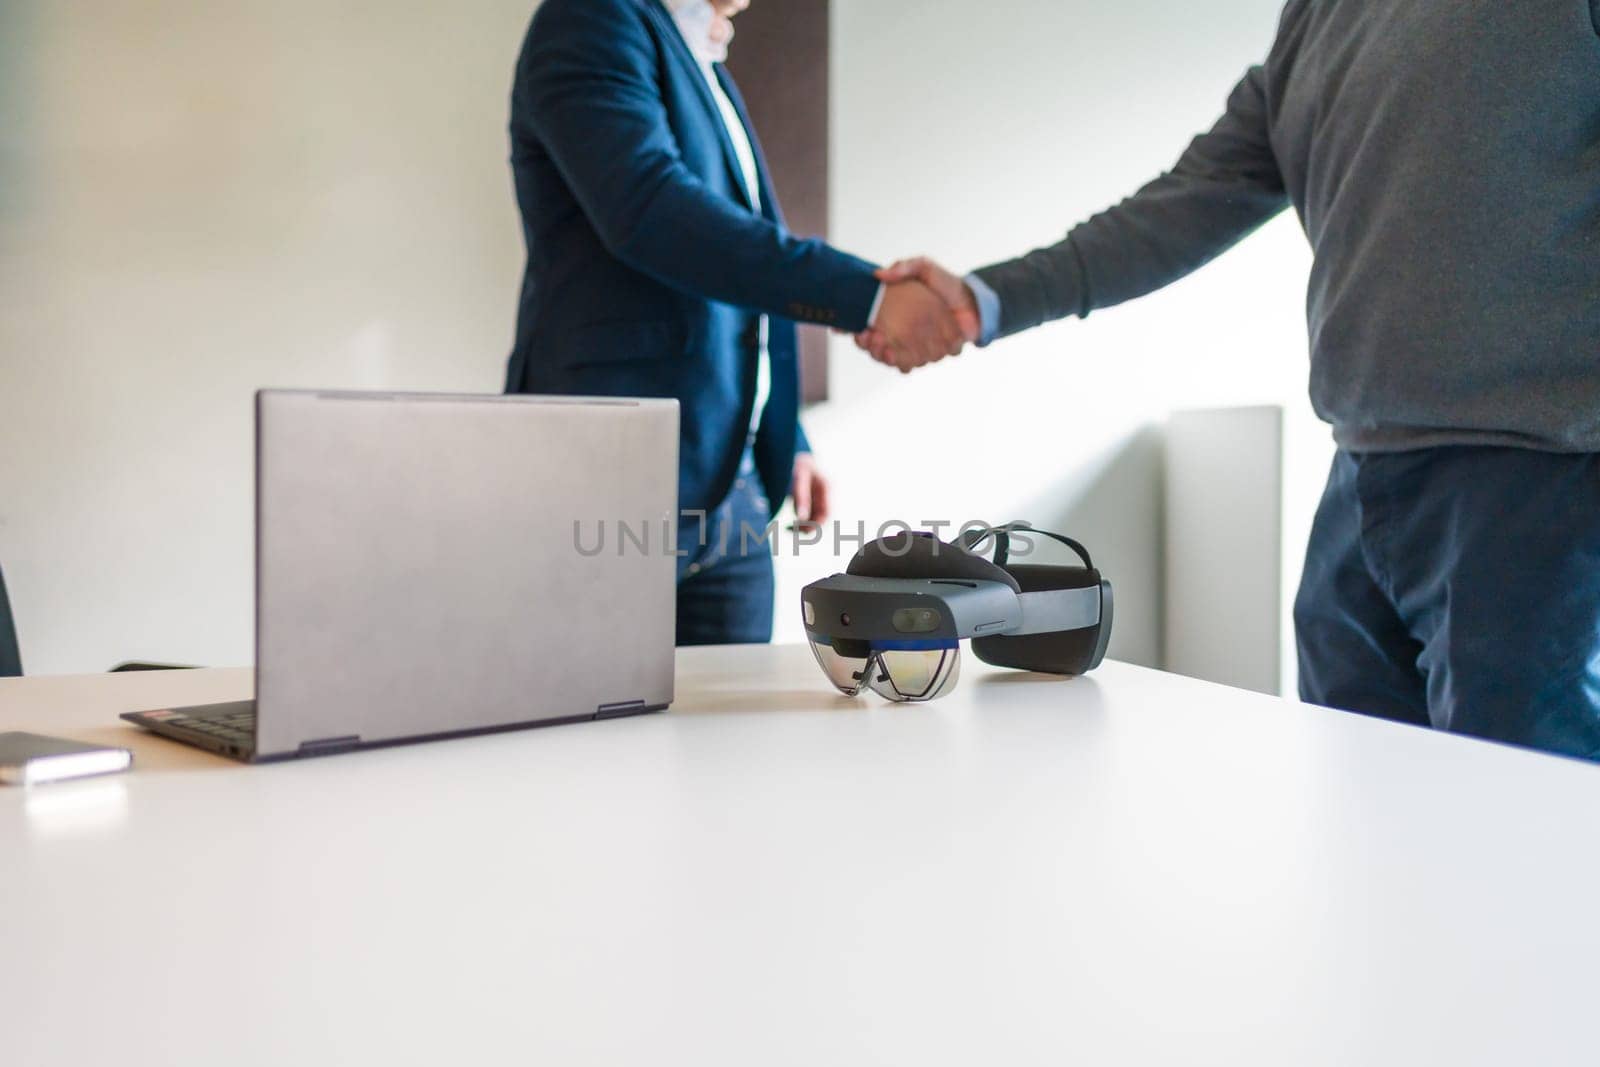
[(974, 132), (1222, 598), (199, 199)]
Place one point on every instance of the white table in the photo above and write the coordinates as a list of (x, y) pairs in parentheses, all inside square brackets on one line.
[(1131, 868)]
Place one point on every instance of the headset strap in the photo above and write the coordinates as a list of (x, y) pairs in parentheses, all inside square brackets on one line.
[(1058, 609), (1002, 543)]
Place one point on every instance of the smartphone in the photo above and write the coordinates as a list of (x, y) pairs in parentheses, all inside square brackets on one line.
[(32, 759)]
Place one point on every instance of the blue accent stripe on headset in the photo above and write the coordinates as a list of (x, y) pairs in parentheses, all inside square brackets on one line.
[(925, 645)]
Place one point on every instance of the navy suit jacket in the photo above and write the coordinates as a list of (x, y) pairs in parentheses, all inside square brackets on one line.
[(647, 267)]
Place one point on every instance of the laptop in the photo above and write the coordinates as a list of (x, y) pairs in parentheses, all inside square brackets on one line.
[(442, 566)]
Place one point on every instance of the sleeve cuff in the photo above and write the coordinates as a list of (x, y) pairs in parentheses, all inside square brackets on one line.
[(877, 302), (988, 308), (1042, 286)]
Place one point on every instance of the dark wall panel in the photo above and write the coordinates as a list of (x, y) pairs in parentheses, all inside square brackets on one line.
[(780, 60)]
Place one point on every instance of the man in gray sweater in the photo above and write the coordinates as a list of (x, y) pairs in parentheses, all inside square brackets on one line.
[(1444, 159)]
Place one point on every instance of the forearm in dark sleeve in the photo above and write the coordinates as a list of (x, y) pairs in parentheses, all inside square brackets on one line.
[(1225, 186), (587, 91)]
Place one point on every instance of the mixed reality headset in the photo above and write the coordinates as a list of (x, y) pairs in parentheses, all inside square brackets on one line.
[(895, 620)]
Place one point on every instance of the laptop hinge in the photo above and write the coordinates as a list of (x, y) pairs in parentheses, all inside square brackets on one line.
[(327, 746), (617, 711)]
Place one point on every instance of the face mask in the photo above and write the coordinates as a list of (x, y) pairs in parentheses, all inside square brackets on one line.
[(700, 25)]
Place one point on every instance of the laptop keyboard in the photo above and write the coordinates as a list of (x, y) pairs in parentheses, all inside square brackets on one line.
[(234, 727)]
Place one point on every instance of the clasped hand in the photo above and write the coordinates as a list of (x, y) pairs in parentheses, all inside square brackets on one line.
[(927, 314)]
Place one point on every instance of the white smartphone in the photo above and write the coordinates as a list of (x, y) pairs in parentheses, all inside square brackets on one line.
[(32, 759)]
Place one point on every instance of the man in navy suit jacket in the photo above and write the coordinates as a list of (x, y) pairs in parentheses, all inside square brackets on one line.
[(659, 266)]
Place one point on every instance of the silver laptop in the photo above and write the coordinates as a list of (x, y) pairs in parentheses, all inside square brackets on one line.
[(437, 566)]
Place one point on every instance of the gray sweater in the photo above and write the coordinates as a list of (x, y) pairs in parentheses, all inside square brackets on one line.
[(1444, 159)]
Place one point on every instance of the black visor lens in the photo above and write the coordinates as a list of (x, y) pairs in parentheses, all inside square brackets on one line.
[(915, 674), (847, 673)]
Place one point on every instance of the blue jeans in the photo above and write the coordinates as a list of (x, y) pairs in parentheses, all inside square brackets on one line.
[(1459, 588), (725, 579)]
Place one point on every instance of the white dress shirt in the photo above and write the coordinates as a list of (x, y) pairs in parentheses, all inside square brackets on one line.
[(694, 24)]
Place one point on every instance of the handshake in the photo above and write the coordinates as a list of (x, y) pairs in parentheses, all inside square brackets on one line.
[(927, 314)]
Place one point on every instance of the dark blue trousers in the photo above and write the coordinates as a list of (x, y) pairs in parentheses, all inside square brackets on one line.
[(1459, 588), (725, 577)]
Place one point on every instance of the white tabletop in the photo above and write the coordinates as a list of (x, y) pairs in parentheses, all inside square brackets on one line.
[(1129, 868)]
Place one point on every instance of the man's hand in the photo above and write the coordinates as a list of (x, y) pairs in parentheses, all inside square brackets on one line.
[(958, 299), (914, 327), (810, 491)]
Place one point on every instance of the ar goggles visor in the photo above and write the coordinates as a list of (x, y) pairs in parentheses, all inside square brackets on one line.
[(924, 670)]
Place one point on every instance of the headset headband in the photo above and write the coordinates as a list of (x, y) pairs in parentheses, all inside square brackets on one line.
[(1002, 541)]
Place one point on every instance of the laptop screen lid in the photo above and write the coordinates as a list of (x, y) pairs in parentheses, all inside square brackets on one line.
[(426, 565)]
